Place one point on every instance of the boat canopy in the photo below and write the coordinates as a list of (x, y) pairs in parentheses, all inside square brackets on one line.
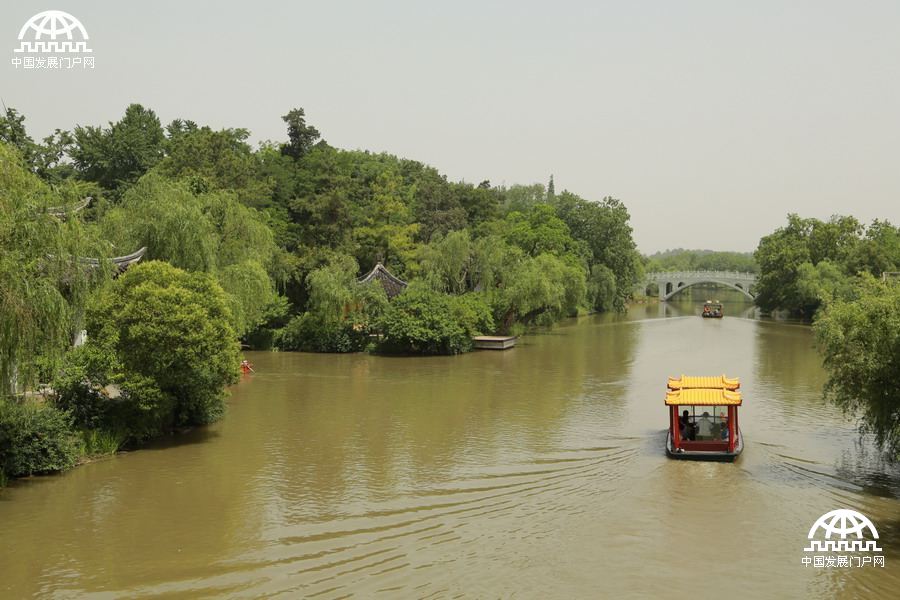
[(703, 397), (710, 383)]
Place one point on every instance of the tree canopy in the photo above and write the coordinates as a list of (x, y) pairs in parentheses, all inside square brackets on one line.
[(860, 340), (264, 221), (809, 262)]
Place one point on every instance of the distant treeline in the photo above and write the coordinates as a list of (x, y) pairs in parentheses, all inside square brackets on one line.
[(680, 259)]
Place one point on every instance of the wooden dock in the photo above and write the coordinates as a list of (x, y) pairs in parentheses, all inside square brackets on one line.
[(494, 342)]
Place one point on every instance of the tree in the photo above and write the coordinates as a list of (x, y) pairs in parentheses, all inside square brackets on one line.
[(46, 160), (301, 136), (216, 160), (422, 321), (341, 312), (387, 233), (538, 231), (42, 283), (212, 233), (542, 289), (13, 133), (117, 156), (789, 260), (163, 337), (860, 340), (818, 285), (779, 256), (878, 252), (447, 261), (604, 228)]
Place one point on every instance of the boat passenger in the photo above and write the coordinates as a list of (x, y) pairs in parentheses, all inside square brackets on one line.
[(704, 427), (688, 430)]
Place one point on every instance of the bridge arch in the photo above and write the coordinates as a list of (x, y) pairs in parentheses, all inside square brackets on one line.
[(683, 286)]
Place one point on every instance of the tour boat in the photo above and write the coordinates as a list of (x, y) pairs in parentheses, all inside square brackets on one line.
[(713, 310), (703, 418)]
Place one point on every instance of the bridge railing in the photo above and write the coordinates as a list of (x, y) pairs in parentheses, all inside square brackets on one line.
[(688, 275)]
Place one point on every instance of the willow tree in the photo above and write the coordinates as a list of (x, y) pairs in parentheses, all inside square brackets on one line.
[(42, 282), (212, 233), (860, 342)]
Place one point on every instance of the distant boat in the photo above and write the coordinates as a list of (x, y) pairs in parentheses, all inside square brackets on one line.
[(713, 310)]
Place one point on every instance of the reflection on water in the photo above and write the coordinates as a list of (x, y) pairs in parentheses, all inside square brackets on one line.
[(537, 472)]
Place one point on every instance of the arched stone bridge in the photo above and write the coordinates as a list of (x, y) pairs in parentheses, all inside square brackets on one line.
[(672, 283)]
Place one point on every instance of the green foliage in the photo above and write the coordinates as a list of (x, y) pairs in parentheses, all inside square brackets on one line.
[(102, 442), (386, 232), (310, 332), (860, 339), (447, 262), (601, 288), (168, 219), (603, 227), (878, 251), (117, 156), (341, 311), (473, 312), (210, 232), (35, 439), (205, 200), (161, 339), (820, 284), (538, 231), (811, 262), (422, 321), (46, 160), (42, 284), (216, 160), (300, 135), (251, 298), (701, 260), (541, 290)]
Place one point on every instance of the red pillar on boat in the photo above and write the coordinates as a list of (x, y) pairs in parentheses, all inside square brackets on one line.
[(676, 429), (732, 427)]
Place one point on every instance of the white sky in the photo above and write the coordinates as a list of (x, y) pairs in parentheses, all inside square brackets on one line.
[(711, 120)]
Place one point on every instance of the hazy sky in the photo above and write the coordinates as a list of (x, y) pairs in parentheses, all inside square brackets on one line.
[(711, 120)]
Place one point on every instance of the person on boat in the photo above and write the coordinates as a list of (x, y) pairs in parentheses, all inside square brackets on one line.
[(704, 426), (246, 367), (688, 431)]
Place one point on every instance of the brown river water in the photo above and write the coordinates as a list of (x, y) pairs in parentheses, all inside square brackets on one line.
[(538, 472)]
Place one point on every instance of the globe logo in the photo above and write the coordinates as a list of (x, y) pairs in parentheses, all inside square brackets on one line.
[(53, 31), (843, 523)]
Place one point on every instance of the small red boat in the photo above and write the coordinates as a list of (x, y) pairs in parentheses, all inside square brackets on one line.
[(703, 418)]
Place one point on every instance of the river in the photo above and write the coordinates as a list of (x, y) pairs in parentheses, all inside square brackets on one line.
[(538, 472)]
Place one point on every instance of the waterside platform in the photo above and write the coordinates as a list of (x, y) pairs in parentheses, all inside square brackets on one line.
[(494, 342)]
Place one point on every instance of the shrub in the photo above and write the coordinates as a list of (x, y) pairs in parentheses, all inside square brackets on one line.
[(421, 321), (473, 313), (160, 351), (36, 439), (311, 333)]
